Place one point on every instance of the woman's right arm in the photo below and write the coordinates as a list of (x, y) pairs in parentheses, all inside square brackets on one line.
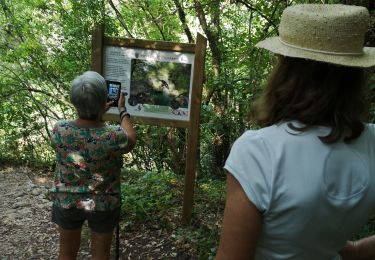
[(363, 249)]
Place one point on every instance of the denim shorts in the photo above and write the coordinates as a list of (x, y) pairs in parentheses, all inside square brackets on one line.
[(98, 221)]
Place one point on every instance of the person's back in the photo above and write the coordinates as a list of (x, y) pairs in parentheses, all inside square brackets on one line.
[(304, 184), (88, 165), (312, 195)]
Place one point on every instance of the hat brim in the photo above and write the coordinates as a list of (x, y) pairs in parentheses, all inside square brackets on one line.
[(274, 45)]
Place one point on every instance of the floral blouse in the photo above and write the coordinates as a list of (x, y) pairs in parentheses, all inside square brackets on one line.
[(88, 164)]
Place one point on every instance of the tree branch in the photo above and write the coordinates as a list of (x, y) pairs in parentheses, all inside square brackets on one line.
[(147, 12), (272, 15), (213, 41), (44, 115), (182, 16), (211, 37), (249, 6), (120, 18)]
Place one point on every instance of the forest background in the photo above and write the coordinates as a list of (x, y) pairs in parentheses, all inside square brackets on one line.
[(44, 44)]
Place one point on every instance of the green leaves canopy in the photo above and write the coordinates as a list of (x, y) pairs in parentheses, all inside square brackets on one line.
[(44, 44)]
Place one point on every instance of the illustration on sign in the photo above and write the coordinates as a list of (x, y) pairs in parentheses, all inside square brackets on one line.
[(155, 83)]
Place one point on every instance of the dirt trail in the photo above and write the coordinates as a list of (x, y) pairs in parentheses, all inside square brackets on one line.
[(26, 230)]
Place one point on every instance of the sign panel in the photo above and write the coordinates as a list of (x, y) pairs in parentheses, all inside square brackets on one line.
[(156, 84)]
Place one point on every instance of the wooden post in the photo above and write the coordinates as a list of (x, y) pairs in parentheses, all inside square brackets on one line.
[(193, 129), (97, 49)]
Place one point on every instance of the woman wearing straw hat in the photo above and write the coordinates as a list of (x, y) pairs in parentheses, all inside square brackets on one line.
[(304, 184)]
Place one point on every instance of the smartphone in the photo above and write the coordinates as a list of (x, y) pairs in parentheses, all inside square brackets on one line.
[(114, 88)]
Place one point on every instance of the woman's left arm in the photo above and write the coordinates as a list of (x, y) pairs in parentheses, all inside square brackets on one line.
[(241, 225), (127, 125)]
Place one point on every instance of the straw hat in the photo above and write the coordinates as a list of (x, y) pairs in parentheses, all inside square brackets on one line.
[(327, 33)]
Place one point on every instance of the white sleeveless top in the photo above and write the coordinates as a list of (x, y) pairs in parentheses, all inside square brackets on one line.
[(313, 196)]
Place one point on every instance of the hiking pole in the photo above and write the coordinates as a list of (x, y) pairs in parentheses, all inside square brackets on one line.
[(118, 242), (117, 256)]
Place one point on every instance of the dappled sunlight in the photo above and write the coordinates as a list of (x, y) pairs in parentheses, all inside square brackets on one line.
[(88, 204), (212, 186), (174, 183), (205, 187), (77, 159), (8, 170), (41, 180)]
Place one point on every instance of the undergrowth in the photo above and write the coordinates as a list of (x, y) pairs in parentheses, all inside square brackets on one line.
[(154, 199)]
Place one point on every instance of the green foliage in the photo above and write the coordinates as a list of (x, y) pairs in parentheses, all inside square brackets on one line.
[(366, 230), (45, 44), (371, 97), (205, 228), (151, 19), (150, 197), (154, 199)]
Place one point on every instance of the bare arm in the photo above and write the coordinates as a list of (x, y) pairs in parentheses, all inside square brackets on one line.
[(127, 125), (363, 249), (241, 225)]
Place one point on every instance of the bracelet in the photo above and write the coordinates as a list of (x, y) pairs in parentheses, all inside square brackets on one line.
[(124, 115), (122, 112)]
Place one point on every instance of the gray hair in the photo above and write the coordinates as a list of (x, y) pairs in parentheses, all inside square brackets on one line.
[(88, 94)]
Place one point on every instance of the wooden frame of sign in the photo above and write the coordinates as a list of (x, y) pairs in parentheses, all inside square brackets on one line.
[(100, 41)]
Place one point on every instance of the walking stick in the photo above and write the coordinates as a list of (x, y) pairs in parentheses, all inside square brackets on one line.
[(117, 256), (118, 242)]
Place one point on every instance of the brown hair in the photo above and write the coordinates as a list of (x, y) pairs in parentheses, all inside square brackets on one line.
[(314, 93)]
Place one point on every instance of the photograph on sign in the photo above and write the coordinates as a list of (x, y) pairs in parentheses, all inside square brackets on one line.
[(156, 84)]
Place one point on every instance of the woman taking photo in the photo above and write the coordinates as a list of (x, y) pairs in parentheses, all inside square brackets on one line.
[(304, 184), (88, 165)]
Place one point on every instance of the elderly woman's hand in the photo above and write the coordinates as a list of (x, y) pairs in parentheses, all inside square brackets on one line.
[(108, 105), (121, 102)]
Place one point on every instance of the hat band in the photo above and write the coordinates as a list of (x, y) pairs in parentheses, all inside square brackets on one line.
[(320, 51)]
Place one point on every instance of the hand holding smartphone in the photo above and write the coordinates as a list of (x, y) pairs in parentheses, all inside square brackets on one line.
[(114, 89)]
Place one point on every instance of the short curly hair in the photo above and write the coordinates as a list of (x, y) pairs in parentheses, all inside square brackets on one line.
[(88, 94)]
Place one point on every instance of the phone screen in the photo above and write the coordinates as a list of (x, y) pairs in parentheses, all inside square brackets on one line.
[(114, 89)]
